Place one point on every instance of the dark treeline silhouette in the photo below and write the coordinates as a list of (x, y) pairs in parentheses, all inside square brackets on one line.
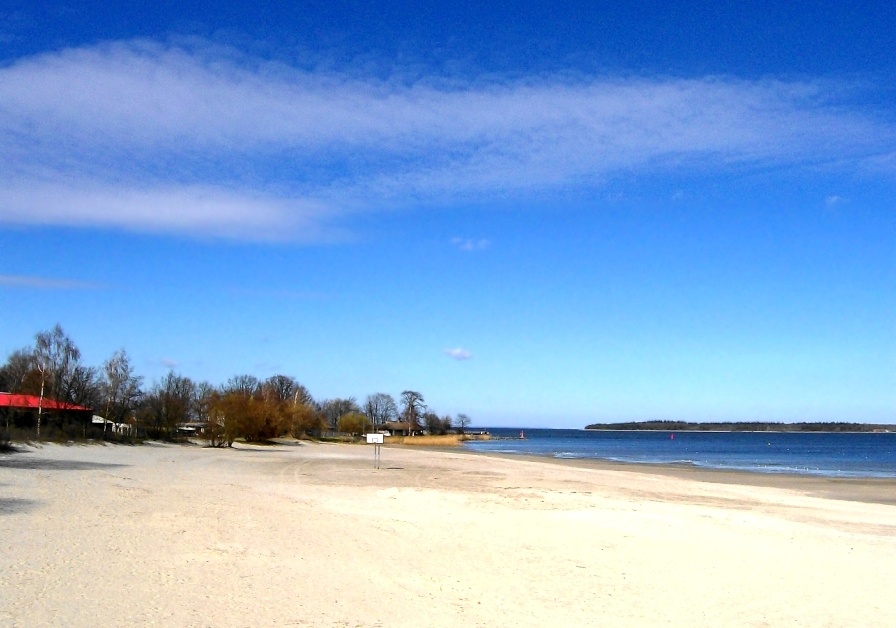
[(749, 426), (54, 396)]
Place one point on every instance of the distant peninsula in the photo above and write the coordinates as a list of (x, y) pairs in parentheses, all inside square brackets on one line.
[(750, 426)]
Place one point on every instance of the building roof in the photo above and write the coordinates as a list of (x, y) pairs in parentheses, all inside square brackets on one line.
[(399, 425), (9, 400)]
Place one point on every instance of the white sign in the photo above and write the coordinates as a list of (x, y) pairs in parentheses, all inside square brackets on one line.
[(375, 439)]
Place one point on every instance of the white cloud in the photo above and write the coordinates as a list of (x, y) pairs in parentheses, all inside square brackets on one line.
[(168, 363), (470, 244), (45, 283), (202, 140), (198, 210), (459, 353)]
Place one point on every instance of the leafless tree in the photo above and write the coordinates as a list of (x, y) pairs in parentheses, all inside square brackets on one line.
[(286, 389), (447, 423), (246, 384), (203, 393), (55, 357), (380, 408), (84, 387), (169, 403), (121, 387), (15, 374), (433, 423), (412, 408), (463, 422), (332, 409)]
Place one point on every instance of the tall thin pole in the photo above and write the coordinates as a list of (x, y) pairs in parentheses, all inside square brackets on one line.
[(40, 404)]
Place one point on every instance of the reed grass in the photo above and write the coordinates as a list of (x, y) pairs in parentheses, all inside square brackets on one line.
[(476, 437), (448, 440)]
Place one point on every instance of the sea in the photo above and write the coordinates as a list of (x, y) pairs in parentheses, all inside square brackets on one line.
[(852, 455)]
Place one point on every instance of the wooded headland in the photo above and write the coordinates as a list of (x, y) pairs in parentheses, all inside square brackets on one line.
[(750, 426)]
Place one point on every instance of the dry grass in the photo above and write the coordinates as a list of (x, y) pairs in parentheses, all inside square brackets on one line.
[(448, 440), (476, 437)]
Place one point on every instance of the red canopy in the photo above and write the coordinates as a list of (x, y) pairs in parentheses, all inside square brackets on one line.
[(8, 400)]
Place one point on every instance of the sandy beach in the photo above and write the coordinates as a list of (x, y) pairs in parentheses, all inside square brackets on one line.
[(313, 535)]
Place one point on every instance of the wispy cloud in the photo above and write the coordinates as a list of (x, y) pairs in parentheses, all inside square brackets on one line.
[(459, 353), (833, 200), (201, 140), (45, 283), (168, 363), (470, 244), (202, 210)]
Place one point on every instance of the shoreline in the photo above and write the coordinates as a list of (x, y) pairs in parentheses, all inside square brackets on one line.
[(869, 490), (867, 428)]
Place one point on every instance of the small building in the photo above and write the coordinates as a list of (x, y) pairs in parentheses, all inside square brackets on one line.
[(122, 429), (400, 428), (20, 411), (192, 428)]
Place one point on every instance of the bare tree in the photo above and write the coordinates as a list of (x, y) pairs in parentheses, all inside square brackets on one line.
[(55, 357), (246, 384), (16, 374), (447, 423), (412, 409), (203, 393), (332, 409), (380, 408), (301, 396), (83, 387), (169, 403), (433, 423), (286, 389), (463, 422), (121, 387)]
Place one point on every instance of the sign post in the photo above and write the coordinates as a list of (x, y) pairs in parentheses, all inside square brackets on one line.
[(377, 441)]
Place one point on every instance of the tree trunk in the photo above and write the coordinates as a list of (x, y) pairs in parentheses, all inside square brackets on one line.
[(40, 404)]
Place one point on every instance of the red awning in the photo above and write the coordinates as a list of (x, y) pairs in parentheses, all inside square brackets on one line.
[(31, 402)]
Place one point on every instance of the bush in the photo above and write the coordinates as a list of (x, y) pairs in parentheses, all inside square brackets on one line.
[(353, 423)]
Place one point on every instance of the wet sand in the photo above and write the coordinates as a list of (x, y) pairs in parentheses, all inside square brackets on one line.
[(870, 490), (312, 534)]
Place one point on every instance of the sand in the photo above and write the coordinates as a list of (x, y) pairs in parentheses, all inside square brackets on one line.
[(313, 535)]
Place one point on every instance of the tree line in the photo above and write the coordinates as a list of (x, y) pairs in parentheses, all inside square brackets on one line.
[(243, 407)]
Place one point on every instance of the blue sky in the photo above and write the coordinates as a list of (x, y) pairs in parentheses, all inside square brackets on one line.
[(539, 214)]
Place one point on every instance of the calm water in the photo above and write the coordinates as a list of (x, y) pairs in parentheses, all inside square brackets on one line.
[(834, 455)]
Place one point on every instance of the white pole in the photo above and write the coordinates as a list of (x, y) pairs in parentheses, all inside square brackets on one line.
[(40, 403)]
